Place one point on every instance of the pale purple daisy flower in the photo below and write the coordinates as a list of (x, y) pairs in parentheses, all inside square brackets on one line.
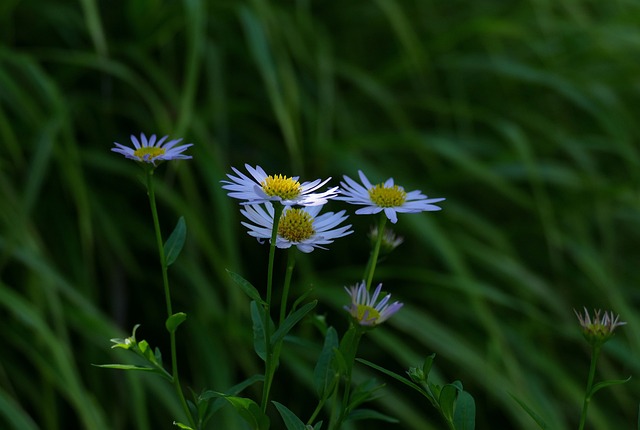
[(387, 197), (260, 188), (299, 227), (364, 308), (153, 150), (599, 329)]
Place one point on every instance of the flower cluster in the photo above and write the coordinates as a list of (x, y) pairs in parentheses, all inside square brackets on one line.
[(300, 223)]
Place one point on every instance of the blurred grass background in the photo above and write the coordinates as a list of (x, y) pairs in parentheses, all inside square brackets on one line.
[(523, 114)]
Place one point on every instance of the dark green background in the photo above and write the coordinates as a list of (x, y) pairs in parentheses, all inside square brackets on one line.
[(523, 114)]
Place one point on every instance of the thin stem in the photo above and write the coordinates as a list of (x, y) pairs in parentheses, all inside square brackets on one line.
[(595, 353), (350, 361), (268, 362), (167, 294), (376, 250), (291, 263)]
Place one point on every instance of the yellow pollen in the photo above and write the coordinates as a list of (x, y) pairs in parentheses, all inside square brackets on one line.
[(281, 186), (296, 225), (148, 153), (371, 315), (387, 197)]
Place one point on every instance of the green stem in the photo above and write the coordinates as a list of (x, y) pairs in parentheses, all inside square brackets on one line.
[(350, 358), (595, 353), (376, 250), (269, 368), (167, 294), (291, 263)]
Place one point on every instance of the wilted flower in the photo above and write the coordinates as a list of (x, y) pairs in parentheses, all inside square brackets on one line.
[(387, 197), (276, 188), (152, 150), (300, 227), (599, 329), (364, 308)]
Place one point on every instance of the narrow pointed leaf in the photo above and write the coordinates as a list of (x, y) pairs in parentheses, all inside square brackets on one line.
[(291, 321), (394, 376), (173, 245), (247, 288), (259, 343), (291, 420), (599, 386), (537, 418), (324, 373)]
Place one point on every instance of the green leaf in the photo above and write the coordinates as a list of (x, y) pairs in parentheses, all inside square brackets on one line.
[(426, 366), (537, 418), (365, 414), (250, 411), (247, 288), (291, 420), (259, 342), (182, 426), (291, 321), (127, 367), (395, 376), (600, 385), (174, 244), (446, 400), (464, 415), (324, 376), (364, 392), (174, 321)]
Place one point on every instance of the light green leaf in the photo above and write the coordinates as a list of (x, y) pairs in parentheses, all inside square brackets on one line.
[(174, 321), (182, 426), (174, 244), (250, 411), (247, 287), (291, 420), (464, 415), (446, 400)]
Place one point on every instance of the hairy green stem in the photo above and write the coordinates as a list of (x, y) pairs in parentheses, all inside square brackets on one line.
[(175, 378), (373, 260), (269, 365), (291, 263), (595, 353)]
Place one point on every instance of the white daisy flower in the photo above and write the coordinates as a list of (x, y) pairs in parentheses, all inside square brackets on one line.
[(289, 191), (300, 227), (387, 197), (364, 308), (151, 151)]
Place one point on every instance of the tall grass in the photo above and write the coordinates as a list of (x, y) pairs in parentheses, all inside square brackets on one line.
[(522, 114)]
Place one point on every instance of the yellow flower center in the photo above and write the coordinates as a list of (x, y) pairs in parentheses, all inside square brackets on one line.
[(387, 197), (296, 225), (281, 186), (148, 153), (372, 314)]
